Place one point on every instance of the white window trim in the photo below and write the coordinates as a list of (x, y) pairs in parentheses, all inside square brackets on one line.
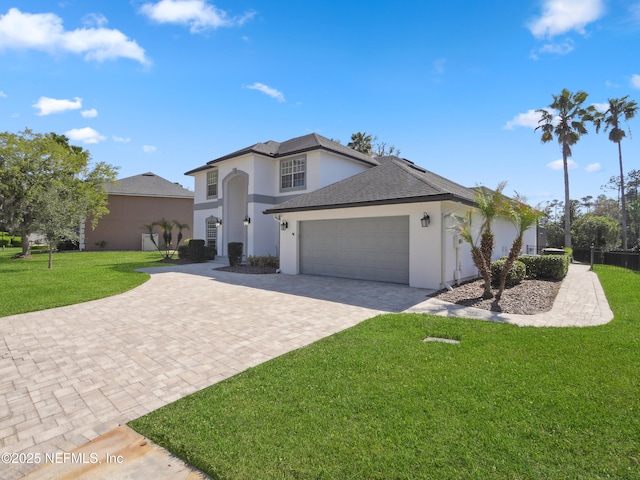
[(291, 160), (214, 171)]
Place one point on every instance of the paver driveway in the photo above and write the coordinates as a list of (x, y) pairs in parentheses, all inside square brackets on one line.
[(70, 374)]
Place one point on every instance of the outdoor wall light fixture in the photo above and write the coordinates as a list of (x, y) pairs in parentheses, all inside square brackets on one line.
[(425, 220), (246, 220), (218, 222), (284, 225)]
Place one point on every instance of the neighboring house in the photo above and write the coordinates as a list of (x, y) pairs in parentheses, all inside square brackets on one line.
[(340, 213), (134, 202), (232, 191)]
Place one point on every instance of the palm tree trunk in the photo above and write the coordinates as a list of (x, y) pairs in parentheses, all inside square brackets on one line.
[(623, 200), (567, 203), (513, 256), (484, 269)]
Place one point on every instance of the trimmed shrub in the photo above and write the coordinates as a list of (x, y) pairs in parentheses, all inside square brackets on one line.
[(196, 251), (546, 267), (210, 252), (268, 261), (235, 253), (183, 252), (516, 274)]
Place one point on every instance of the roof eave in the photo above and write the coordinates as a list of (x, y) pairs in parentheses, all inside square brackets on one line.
[(369, 203)]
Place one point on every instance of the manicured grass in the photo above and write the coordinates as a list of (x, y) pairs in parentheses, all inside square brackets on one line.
[(28, 285), (376, 402)]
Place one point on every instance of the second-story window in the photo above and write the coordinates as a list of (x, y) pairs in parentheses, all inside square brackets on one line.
[(293, 173), (212, 183)]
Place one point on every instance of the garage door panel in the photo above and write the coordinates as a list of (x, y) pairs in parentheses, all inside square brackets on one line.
[(362, 248)]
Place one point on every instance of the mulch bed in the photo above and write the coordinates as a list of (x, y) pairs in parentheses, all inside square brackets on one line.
[(527, 298)]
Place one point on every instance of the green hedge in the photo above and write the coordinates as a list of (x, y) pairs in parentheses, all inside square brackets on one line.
[(196, 251), (183, 252), (546, 267), (516, 274), (268, 261)]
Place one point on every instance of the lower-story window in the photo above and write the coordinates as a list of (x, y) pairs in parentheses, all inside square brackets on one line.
[(212, 234)]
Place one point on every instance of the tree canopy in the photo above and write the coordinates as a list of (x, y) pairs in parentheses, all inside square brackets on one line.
[(48, 185)]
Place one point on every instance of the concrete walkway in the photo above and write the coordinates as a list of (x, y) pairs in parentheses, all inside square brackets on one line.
[(76, 374)]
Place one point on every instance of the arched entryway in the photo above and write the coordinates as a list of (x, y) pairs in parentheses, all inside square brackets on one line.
[(236, 189)]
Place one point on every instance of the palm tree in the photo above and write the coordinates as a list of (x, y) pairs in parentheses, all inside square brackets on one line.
[(491, 204), (565, 120), (180, 227), (619, 109), (166, 227), (361, 142), (523, 217)]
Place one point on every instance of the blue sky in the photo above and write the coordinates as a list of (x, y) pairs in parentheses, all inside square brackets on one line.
[(165, 86)]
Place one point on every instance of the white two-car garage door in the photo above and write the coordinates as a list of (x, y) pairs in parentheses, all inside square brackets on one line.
[(360, 248)]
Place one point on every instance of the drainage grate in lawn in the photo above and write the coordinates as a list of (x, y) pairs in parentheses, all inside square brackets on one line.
[(442, 340)]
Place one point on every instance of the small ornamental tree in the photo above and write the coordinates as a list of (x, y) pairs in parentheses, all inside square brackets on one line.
[(491, 204), (523, 217), (166, 247)]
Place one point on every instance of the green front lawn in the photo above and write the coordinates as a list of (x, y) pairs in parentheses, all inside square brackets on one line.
[(376, 402), (28, 285)]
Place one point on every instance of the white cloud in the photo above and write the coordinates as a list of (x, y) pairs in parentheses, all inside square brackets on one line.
[(149, 148), (199, 15), (85, 135), (48, 105), (593, 167), (529, 119), (635, 80), (45, 32), (91, 113), (557, 165), (563, 48), (561, 16), (272, 92), (601, 107), (2, 94), (95, 20), (121, 139)]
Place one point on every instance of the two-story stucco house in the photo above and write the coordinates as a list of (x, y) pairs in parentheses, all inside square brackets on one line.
[(231, 192), (326, 209)]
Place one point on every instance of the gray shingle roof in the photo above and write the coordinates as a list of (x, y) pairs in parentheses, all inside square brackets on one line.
[(306, 143), (148, 185), (395, 180)]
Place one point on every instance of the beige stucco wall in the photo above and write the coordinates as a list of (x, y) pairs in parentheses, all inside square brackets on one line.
[(122, 227)]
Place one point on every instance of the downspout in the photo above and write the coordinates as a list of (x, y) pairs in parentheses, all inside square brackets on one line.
[(443, 248), (278, 218)]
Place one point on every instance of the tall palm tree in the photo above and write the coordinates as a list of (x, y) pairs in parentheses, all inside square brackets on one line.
[(565, 120), (361, 142), (619, 109)]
